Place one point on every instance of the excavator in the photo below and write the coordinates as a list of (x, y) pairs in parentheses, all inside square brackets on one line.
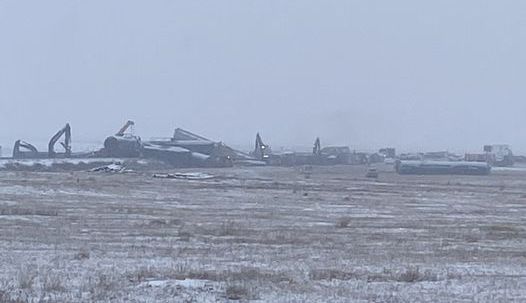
[(66, 132), (25, 150), (261, 151), (316, 150), (319, 156)]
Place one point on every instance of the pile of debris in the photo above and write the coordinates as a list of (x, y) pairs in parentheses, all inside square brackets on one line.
[(112, 168), (184, 149), (319, 156)]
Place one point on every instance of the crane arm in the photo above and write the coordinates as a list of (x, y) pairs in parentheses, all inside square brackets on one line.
[(124, 128)]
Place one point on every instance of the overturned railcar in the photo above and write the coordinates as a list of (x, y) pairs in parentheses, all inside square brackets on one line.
[(121, 146), (413, 167), (204, 151)]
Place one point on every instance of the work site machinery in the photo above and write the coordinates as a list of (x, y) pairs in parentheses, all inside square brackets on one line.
[(22, 150), (25, 150), (123, 129), (66, 132), (122, 144), (261, 150)]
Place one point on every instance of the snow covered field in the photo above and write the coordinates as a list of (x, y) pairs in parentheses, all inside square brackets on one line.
[(263, 235)]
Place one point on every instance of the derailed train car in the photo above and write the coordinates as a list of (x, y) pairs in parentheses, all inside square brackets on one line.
[(183, 149), (424, 167), (177, 155), (205, 151), (191, 151)]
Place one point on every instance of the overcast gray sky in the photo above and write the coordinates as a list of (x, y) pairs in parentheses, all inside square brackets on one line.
[(431, 75)]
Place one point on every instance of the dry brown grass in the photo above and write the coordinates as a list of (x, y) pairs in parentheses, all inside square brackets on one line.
[(53, 283), (26, 276), (259, 241), (330, 274), (240, 292), (410, 274), (20, 211), (142, 274), (104, 284)]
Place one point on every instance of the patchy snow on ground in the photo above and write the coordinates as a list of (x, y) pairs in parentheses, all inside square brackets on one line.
[(184, 176), (112, 168), (266, 234)]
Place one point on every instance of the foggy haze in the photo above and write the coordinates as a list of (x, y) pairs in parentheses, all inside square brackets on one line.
[(416, 75)]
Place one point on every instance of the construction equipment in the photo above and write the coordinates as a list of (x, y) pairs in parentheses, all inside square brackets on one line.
[(66, 132), (316, 150), (499, 155), (261, 150), (330, 155), (24, 150), (123, 129), (319, 156)]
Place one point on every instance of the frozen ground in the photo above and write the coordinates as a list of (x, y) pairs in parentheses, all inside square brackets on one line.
[(263, 235)]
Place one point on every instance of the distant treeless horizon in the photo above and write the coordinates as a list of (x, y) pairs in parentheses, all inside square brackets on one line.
[(445, 75)]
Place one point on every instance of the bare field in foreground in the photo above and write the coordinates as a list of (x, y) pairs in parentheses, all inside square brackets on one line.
[(263, 235)]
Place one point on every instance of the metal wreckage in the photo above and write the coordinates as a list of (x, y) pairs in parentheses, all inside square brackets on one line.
[(186, 149), (183, 149), (319, 156), (329, 155), (24, 150)]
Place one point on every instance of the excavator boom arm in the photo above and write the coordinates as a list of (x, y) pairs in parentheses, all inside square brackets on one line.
[(66, 131), (125, 128)]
